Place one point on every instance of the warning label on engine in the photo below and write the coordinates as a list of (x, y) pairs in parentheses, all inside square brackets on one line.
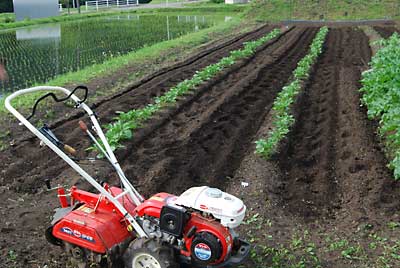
[(202, 251)]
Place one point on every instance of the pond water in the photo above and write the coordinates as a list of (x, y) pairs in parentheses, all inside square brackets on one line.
[(38, 54)]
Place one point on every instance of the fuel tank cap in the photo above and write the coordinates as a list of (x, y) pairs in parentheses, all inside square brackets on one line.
[(214, 193)]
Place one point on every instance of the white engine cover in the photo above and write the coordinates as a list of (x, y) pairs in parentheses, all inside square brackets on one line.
[(229, 209)]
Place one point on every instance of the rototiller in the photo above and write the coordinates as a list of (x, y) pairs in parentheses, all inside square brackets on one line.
[(118, 227)]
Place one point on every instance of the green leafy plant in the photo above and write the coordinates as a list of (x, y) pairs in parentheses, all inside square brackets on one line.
[(126, 122), (282, 119), (381, 95)]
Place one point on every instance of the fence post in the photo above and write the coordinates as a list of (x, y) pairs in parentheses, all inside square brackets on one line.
[(97, 5), (117, 3), (107, 3), (86, 6)]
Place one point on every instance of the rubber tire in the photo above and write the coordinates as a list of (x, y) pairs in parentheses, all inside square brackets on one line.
[(163, 254)]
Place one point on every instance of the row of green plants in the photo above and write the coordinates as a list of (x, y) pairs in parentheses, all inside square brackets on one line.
[(381, 96), (121, 129), (282, 117)]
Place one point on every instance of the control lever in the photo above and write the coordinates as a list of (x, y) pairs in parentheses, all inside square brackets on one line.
[(51, 137)]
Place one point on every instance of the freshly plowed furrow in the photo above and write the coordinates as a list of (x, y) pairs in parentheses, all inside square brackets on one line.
[(385, 32), (27, 160), (205, 141), (332, 164), (309, 161)]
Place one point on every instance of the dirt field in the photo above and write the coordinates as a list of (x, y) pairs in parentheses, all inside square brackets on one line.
[(328, 184)]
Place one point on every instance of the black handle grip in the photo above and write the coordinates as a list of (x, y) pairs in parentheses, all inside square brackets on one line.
[(51, 94)]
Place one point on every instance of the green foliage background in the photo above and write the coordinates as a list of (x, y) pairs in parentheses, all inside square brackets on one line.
[(6, 6)]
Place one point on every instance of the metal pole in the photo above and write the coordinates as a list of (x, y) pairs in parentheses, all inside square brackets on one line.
[(79, 6), (168, 34), (108, 4), (97, 5), (73, 3), (86, 6)]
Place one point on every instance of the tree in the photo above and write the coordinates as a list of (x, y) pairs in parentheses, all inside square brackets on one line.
[(6, 6)]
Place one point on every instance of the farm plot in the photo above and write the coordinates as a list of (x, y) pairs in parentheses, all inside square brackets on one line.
[(329, 175), (22, 176), (328, 195)]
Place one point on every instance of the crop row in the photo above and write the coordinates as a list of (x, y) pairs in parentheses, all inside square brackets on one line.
[(282, 117), (126, 122), (381, 95)]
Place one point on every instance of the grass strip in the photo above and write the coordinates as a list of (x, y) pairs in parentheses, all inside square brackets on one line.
[(381, 96), (126, 122), (282, 117), (278, 10)]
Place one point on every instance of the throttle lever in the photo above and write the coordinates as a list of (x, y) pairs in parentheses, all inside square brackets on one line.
[(51, 137)]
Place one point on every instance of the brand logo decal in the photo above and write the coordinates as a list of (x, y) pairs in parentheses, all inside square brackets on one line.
[(203, 207), (202, 251), (77, 234)]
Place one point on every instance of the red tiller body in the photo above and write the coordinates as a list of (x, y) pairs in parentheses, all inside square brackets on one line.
[(152, 206), (96, 225)]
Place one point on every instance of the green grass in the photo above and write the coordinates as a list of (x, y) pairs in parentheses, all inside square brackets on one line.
[(7, 17), (113, 65), (163, 1), (277, 10)]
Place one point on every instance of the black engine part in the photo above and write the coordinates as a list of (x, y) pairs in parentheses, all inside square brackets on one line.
[(205, 249), (173, 220)]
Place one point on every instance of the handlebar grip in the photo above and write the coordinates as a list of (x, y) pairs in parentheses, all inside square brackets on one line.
[(83, 126), (69, 149)]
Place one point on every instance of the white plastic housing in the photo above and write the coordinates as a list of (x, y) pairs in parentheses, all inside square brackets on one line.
[(229, 209)]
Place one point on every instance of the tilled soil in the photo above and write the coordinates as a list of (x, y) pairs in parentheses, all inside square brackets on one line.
[(333, 162), (215, 126), (386, 32), (330, 173), (330, 177)]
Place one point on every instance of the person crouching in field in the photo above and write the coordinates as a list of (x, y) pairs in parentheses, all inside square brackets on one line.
[(3, 72)]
